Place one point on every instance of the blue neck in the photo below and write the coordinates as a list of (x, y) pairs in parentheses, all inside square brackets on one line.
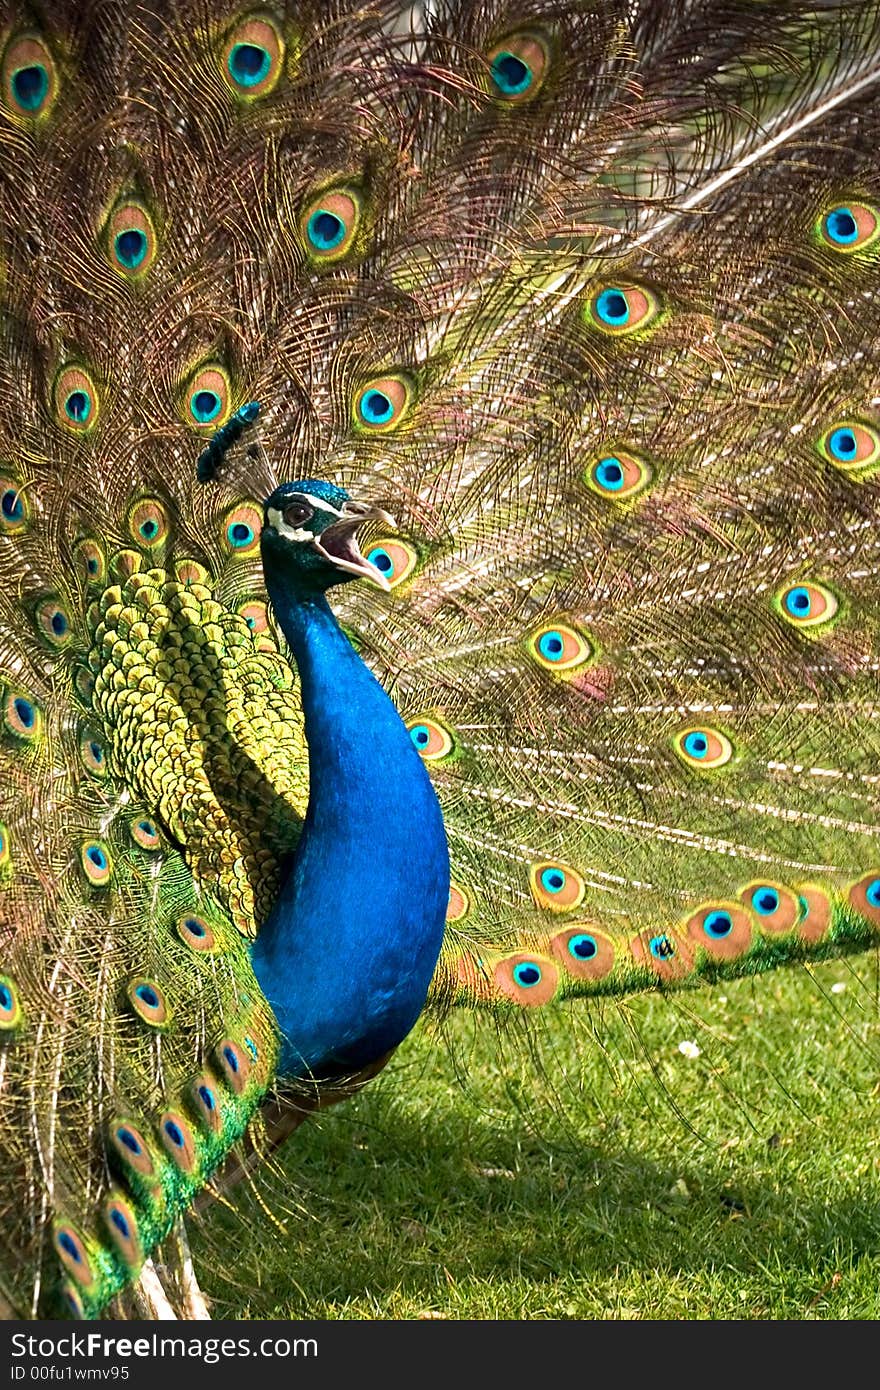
[(346, 957)]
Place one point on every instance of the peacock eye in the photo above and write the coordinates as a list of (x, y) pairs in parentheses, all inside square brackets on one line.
[(297, 513)]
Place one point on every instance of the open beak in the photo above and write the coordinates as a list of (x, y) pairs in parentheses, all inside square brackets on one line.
[(338, 543)]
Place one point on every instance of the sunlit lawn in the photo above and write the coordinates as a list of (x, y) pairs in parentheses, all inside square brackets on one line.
[(602, 1173)]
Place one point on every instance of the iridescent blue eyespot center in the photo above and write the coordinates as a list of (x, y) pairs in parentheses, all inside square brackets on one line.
[(696, 745), (765, 901), (11, 505), (551, 646), (661, 947), (194, 926), (98, 857), (30, 86), (206, 1096), (146, 827), (25, 712), (120, 1223), (128, 1141), (248, 64), (381, 559), (78, 407), (582, 947), (841, 226), (325, 230), (798, 602), (96, 751), (58, 623), (420, 735), (131, 247), (510, 74), (205, 406), (552, 880), (718, 924), (612, 307), (609, 474), (527, 974), (842, 444), (230, 1058), (375, 407), (148, 996), (69, 1246), (174, 1133), (6, 999), (872, 892), (149, 528), (239, 534)]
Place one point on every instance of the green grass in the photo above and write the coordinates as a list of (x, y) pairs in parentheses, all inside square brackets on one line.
[(596, 1173)]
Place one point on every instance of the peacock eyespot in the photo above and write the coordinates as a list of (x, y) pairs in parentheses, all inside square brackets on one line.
[(560, 648), (147, 1000), (459, 904), (584, 953), (722, 929), (30, 78), (702, 748), (850, 445), (131, 239), (206, 399), (776, 908), (241, 530), (806, 605), (53, 623), (145, 834), (618, 476), (22, 717), (527, 979), (72, 1302), (849, 227), (865, 896), (149, 523), (76, 400), (621, 309), (556, 886), (234, 1063), (178, 1141), (72, 1253), (96, 863), (329, 225), (90, 562), (517, 67), (431, 739), (195, 932), (130, 1145), (206, 1103), (382, 404), (10, 1004), (122, 1227), (92, 754), (13, 508), (255, 614), (395, 559), (253, 58)]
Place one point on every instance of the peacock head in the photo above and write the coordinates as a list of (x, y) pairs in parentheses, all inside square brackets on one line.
[(309, 532)]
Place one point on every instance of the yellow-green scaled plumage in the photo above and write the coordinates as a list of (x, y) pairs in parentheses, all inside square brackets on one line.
[(624, 320)]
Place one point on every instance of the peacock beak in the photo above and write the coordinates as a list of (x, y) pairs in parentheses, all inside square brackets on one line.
[(338, 543)]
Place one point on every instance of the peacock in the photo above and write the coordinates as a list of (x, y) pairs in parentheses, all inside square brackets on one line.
[(439, 560)]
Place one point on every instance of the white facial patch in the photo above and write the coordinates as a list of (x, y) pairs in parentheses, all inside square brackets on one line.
[(298, 533), (290, 533)]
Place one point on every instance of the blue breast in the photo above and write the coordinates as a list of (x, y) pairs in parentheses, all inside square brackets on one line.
[(347, 955)]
